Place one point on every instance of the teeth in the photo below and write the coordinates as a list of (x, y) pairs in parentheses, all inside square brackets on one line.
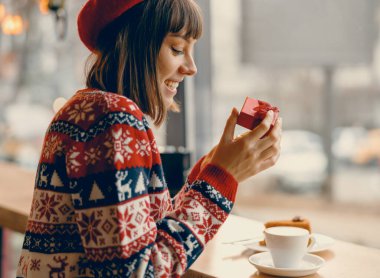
[(172, 84)]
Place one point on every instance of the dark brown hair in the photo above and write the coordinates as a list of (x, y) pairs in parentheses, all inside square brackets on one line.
[(127, 50)]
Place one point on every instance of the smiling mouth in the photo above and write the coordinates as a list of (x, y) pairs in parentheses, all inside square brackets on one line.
[(172, 85)]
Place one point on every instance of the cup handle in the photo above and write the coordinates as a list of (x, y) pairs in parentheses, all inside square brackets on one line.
[(313, 242)]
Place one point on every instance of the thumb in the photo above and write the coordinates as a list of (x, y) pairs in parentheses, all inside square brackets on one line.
[(229, 129)]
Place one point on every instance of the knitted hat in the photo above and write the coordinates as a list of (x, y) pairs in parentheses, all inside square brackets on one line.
[(97, 14)]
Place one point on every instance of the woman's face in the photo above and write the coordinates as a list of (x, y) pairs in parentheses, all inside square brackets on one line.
[(175, 61)]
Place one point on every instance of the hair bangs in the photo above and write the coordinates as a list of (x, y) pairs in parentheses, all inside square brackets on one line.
[(187, 18)]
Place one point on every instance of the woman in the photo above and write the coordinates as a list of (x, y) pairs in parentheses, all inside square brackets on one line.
[(101, 206)]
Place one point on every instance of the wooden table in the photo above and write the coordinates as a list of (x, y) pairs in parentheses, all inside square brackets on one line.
[(16, 193), (343, 260)]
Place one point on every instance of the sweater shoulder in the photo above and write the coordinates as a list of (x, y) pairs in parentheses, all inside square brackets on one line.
[(88, 106), (110, 102)]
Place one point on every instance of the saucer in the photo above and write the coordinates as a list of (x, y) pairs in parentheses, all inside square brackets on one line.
[(322, 243), (309, 265)]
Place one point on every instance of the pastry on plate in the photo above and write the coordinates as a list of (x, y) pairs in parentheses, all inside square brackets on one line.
[(297, 221)]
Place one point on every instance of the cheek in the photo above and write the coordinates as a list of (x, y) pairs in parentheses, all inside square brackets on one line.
[(162, 70), (166, 65)]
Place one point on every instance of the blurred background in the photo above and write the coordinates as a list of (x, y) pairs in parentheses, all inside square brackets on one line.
[(317, 60)]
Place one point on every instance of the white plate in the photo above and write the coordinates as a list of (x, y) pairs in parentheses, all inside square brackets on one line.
[(309, 265), (322, 243)]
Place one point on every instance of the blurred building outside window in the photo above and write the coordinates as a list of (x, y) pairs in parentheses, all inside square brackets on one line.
[(37, 68), (295, 184)]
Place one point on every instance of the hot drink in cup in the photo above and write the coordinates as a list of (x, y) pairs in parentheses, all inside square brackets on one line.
[(288, 245)]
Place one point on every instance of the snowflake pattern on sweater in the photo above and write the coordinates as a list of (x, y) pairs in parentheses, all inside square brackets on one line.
[(101, 206)]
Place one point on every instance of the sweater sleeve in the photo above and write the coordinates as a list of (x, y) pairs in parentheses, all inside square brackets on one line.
[(195, 170), (178, 198), (123, 208)]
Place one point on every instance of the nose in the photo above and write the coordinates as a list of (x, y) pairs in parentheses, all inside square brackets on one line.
[(189, 67)]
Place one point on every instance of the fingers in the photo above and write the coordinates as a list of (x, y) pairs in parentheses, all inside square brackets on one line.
[(241, 135), (253, 136), (229, 130), (272, 137), (278, 125), (272, 158), (262, 128), (270, 152), (271, 145), (268, 163)]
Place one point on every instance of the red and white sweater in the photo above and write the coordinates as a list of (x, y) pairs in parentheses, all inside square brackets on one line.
[(101, 206)]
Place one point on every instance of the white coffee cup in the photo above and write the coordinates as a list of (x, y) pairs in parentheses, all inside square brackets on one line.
[(288, 245)]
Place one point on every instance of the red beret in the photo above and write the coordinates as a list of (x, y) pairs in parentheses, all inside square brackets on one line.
[(97, 14)]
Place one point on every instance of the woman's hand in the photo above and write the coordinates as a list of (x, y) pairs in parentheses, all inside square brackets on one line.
[(247, 154)]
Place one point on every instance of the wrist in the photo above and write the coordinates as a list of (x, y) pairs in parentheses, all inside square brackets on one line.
[(220, 179)]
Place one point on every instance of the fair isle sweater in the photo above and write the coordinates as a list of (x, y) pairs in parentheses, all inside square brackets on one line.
[(101, 206)]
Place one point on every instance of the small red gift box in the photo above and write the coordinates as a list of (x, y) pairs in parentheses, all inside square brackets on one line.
[(254, 111)]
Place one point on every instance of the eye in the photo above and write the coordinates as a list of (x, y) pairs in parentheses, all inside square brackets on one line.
[(176, 51)]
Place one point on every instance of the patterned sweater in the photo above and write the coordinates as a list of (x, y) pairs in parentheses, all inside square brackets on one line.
[(101, 206)]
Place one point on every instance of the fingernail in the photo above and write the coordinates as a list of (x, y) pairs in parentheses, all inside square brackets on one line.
[(270, 112)]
